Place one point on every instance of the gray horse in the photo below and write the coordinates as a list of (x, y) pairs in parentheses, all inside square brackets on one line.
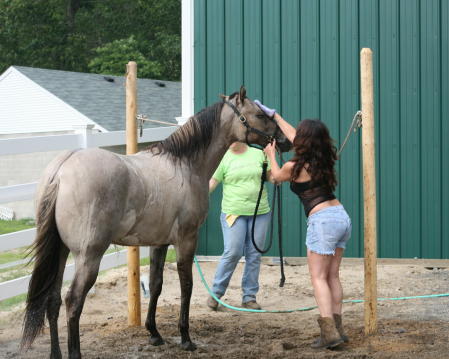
[(91, 198)]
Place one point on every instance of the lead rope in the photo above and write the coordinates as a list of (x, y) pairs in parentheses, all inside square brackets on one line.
[(276, 195), (356, 123), (281, 255)]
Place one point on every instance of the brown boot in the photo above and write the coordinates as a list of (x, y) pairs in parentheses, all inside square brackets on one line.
[(329, 337), (212, 303), (251, 305), (339, 326)]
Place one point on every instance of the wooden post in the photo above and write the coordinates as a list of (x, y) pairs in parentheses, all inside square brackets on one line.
[(134, 317), (369, 189)]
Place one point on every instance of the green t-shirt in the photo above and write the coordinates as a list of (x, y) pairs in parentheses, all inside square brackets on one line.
[(240, 175)]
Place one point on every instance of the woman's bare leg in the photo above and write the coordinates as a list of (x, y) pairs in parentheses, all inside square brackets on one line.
[(334, 281), (319, 267)]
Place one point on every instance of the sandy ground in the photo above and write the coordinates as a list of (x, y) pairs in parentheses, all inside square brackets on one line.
[(407, 329)]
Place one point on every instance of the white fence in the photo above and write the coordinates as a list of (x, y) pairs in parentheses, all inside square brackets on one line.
[(83, 139)]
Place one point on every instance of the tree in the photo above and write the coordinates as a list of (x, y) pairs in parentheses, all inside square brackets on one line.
[(112, 58), (74, 35)]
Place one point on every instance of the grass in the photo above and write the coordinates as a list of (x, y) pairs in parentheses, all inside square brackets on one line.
[(170, 258), (6, 304), (18, 272), (16, 225), (22, 269), (13, 255)]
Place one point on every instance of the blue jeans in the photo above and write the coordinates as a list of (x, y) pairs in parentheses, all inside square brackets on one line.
[(237, 243), (328, 229)]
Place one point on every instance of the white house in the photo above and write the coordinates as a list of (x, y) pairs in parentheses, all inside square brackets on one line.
[(38, 102)]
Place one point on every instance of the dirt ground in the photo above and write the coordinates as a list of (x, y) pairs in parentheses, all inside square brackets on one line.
[(415, 328)]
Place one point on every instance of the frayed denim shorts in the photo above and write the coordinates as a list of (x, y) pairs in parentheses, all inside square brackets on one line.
[(328, 229)]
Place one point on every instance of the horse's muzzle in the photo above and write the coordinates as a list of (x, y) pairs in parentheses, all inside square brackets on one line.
[(284, 145)]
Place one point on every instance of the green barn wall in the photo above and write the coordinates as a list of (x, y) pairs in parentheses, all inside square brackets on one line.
[(302, 58)]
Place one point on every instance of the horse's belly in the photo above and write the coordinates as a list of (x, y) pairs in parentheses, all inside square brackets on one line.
[(136, 239)]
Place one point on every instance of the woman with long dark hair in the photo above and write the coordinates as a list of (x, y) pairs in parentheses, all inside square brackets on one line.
[(312, 177)]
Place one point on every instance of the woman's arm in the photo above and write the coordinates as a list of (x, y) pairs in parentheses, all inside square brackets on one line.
[(213, 183), (288, 130), (277, 173)]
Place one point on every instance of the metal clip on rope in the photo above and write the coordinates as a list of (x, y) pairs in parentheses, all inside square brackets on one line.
[(355, 125), (142, 118)]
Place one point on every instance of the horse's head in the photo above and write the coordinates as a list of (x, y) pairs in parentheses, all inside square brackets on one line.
[(252, 125)]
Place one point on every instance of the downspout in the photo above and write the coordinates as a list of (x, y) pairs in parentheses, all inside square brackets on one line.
[(187, 57)]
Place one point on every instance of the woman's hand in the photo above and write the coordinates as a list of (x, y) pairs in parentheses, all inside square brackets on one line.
[(268, 111), (213, 183), (278, 174), (270, 149)]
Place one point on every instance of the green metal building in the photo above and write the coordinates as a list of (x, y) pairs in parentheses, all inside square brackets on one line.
[(302, 58)]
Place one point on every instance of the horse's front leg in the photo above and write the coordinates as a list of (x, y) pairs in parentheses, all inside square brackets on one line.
[(157, 260), (184, 258)]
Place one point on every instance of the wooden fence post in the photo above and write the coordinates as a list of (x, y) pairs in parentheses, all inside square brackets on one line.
[(369, 189), (134, 316)]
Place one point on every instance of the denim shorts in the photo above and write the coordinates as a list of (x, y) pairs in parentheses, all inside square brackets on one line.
[(328, 229)]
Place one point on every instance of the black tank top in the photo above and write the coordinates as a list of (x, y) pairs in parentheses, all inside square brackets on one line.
[(311, 196)]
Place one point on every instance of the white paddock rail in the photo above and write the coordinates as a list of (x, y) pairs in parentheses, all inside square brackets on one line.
[(26, 191), (18, 286)]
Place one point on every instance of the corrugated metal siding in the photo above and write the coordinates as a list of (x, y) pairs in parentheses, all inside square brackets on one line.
[(25, 107), (302, 58)]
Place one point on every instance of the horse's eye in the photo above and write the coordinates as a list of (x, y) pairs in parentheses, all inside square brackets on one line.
[(261, 116)]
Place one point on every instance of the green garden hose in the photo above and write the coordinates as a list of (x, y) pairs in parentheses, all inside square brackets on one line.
[(304, 309)]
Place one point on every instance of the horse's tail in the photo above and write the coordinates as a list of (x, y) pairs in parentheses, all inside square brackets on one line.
[(45, 252)]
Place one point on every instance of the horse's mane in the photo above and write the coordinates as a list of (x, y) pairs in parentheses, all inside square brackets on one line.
[(193, 137)]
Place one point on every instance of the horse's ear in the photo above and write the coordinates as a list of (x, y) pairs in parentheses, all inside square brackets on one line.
[(222, 96), (242, 93)]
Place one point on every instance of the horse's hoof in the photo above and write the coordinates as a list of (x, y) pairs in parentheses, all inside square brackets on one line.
[(156, 341), (189, 346)]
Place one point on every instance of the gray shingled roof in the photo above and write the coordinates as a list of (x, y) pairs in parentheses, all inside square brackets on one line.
[(103, 101)]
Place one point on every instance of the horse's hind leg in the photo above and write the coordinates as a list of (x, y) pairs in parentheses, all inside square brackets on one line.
[(54, 304), (184, 257), (157, 260), (87, 266)]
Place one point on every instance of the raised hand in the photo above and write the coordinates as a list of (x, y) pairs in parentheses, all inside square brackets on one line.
[(268, 111)]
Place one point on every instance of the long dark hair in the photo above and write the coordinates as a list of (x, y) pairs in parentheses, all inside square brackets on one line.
[(314, 146)]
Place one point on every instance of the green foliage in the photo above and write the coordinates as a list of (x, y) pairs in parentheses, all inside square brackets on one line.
[(43, 33), (112, 58), (168, 47)]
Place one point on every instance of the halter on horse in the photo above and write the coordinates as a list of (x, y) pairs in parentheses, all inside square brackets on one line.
[(91, 198)]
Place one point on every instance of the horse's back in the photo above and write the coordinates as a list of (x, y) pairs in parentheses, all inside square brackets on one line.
[(141, 199), (93, 198), (176, 203)]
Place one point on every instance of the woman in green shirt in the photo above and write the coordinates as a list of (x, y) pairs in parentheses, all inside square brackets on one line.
[(240, 172)]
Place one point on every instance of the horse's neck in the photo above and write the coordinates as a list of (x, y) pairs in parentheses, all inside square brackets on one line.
[(210, 158), (222, 138)]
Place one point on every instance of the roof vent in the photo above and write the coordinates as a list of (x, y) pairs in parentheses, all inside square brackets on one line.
[(159, 83), (109, 79)]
